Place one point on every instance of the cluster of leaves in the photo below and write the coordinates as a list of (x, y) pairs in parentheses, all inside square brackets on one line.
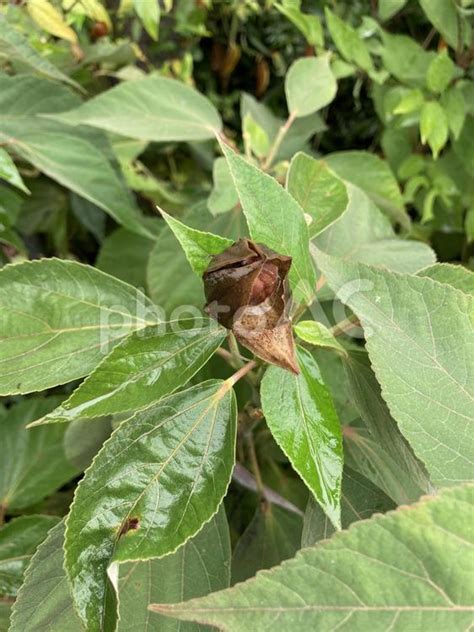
[(148, 465)]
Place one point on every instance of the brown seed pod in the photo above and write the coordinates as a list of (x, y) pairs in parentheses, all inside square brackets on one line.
[(98, 30), (247, 291)]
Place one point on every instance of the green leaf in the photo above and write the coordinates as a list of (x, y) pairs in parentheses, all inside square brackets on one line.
[(273, 535), (223, 196), (378, 449), (321, 194), (125, 255), (270, 212), (359, 500), (433, 127), (149, 13), (255, 140), (318, 335), (454, 105), (309, 85), (388, 8), (405, 59), (419, 339), (309, 25), (18, 541), (44, 601), (157, 480), (364, 234), (82, 440), (199, 567), (421, 556), (373, 175), (411, 101), (440, 72), (445, 17), (10, 173), (73, 157), (33, 462), (198, 246), (145, 367), (348, 41), (58, 320), (14, 47), (153, 108), (302, 418), (457, 276)]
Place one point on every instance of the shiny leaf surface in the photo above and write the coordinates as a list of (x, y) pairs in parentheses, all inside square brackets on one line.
[(421, 556), (145, 367), (156, 481), (60, 318), (318, 335), (304, 422), (197, 568)]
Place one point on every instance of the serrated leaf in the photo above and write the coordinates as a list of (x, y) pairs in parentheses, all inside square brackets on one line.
[(273, 535), (378, 450), (156, 481), (319, 191), (145, 367), (59, 319), (309, 85), (457, 276), (73, 157), (153, 108), (198, 246), (318, 335), (348, 41), (19, 539), (16, 48), (359, 500), (433, 127), (149, 13), (9, 172), (302, 418), (50, 20), (44, 601), (419, 339), (199, 567), (274, 219), (33, 463), (339, 581)]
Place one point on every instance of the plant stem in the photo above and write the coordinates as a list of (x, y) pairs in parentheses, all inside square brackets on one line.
[(278, 141), (242, 372), (255, 466), (345, 325)]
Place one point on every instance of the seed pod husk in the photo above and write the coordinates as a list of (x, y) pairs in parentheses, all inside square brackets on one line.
[(247, 291)]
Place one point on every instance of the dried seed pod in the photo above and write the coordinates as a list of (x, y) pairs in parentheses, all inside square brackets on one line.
[(247, 291)]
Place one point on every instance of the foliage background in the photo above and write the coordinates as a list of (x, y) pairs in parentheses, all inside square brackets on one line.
[(398, 134)]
